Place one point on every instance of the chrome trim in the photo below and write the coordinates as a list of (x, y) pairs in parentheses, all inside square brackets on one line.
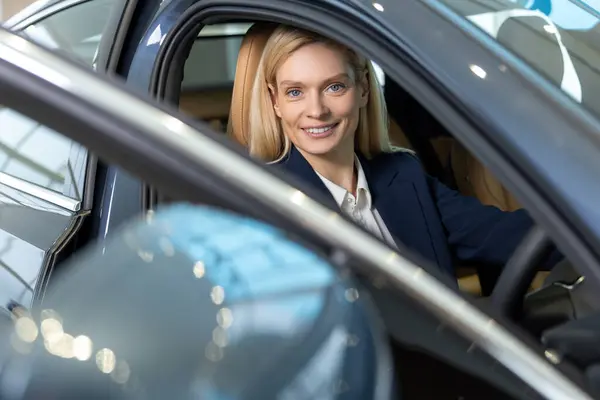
[(40, 192), (447, 305), (224, 30), (49, 261), (570, 286), (39, 15)]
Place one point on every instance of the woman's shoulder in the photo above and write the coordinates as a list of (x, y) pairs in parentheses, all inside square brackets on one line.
[(399, 163), (397, 157)]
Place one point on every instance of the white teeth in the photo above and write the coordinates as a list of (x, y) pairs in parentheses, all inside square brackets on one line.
[(319, 130)]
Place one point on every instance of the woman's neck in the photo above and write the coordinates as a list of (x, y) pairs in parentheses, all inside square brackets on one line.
[(338, 168)]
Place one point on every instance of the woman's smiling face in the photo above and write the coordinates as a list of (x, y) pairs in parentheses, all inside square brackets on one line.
[(318, 99)]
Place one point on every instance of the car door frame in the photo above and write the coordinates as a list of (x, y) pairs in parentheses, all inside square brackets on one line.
[(124, 195)]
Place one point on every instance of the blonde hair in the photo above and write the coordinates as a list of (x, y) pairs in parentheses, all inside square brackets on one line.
[(266, 139)]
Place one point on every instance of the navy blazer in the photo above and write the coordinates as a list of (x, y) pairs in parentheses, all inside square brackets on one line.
[(426, 216)]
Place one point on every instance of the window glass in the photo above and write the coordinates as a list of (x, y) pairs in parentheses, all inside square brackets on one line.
[(30, 151), (75, 31), (39, 155)]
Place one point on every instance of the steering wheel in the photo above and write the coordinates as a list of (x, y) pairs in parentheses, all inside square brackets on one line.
[(518, 273), (568, 297)]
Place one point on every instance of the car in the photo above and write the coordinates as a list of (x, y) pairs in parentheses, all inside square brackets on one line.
[(483, 113), (134, 294)]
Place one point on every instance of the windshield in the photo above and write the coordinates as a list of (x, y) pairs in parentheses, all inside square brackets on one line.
[(558, 38)]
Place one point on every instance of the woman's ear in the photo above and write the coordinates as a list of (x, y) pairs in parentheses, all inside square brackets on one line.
[(364, 88), (273, 94)]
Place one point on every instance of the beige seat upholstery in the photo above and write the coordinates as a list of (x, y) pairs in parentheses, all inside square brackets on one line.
[(474, 179)]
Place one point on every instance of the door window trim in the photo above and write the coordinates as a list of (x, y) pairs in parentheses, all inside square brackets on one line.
[(40, 192)]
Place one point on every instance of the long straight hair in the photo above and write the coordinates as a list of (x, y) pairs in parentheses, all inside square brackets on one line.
[(266, 139)]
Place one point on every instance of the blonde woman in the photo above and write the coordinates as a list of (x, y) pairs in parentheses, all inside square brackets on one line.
[(317, 111)]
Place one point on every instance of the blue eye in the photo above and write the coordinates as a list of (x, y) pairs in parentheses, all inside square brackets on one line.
[(336, 87), (294, 93)]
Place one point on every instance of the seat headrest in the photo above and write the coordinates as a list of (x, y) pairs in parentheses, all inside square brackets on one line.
[(251, 50)]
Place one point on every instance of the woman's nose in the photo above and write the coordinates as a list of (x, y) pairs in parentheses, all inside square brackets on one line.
[(316, 107)]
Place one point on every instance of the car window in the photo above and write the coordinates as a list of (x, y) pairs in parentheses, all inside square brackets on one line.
[(36, 154), (558, 38), (75, 31)]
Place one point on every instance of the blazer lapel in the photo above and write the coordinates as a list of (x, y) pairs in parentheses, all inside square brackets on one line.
[(395, 198)]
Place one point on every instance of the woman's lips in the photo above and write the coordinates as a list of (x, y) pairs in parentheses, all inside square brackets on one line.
[(321, 131)]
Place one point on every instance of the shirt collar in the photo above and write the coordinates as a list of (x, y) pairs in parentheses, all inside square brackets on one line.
[(339, 193)]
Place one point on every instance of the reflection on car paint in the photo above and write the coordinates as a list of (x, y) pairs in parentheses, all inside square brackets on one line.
[(156, 37), (564, 13), (491, 22)]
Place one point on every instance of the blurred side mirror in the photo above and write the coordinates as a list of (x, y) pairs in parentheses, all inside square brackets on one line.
[(194, 302)]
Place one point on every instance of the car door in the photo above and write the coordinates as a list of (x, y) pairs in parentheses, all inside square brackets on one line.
[(189, 160)]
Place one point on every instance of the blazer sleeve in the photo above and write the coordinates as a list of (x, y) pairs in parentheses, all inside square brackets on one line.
[(479, 233)]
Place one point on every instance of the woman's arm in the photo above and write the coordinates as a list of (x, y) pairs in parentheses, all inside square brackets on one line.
[(479, 233)]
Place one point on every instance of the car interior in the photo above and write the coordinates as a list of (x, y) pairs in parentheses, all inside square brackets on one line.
[(217, 93)]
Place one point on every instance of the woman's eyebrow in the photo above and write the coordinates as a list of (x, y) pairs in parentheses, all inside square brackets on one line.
[(343, 75)]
